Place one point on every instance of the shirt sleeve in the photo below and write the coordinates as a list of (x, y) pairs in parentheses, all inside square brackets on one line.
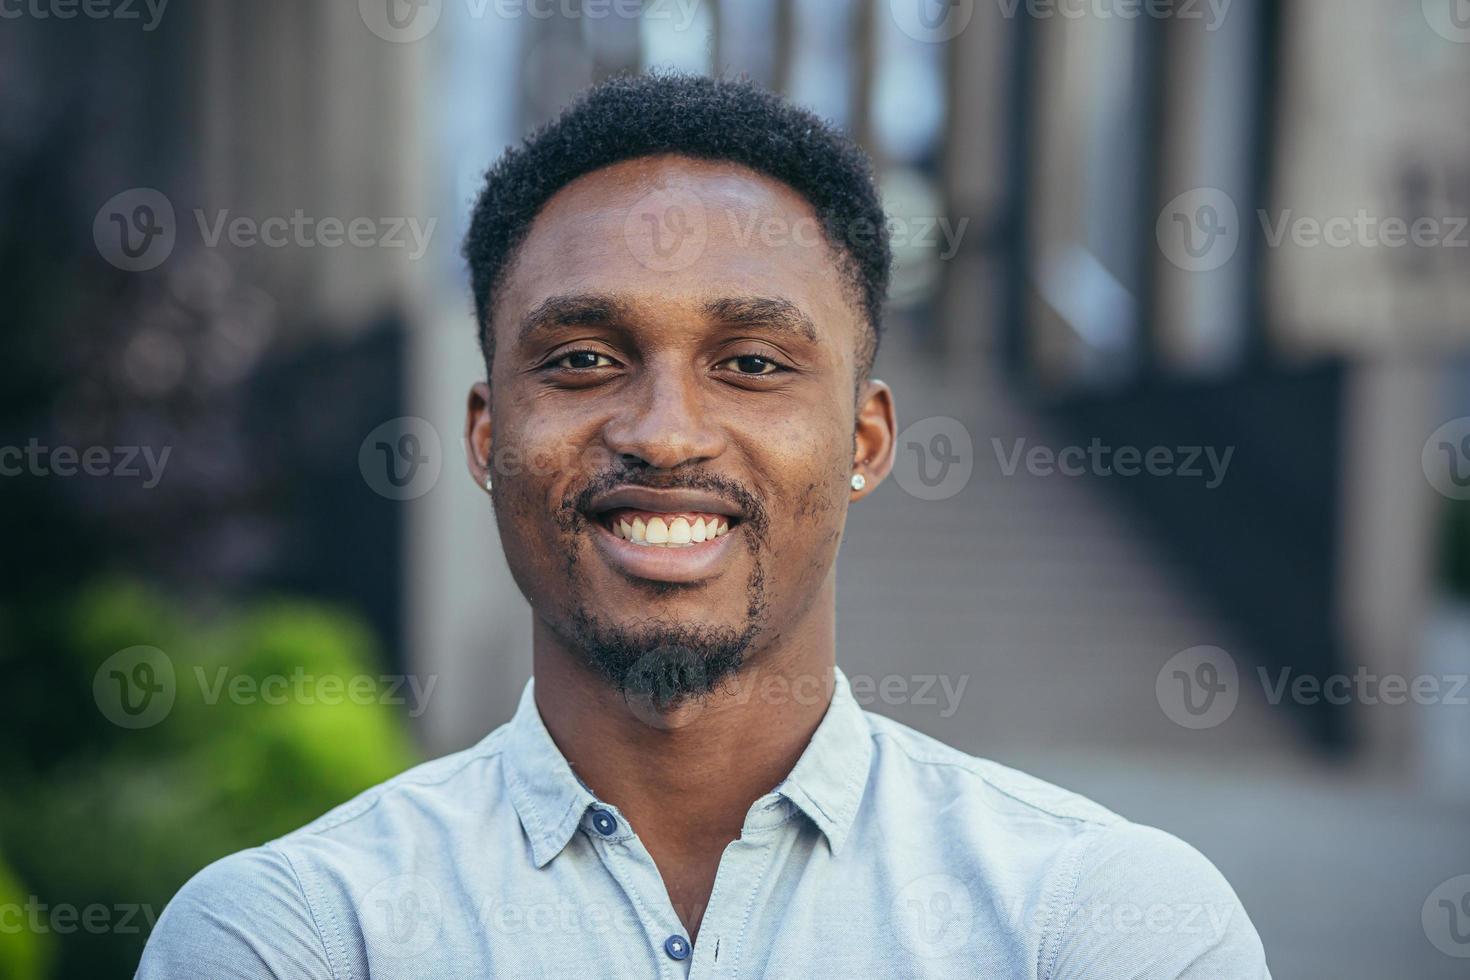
[(244, 917), (1146, 906)]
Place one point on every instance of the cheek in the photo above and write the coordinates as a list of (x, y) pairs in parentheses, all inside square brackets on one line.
[(541, 454), (804, 465), (539, 458)]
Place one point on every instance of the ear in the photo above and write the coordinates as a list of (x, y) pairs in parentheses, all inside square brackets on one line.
[(477, 433), (874, 437)]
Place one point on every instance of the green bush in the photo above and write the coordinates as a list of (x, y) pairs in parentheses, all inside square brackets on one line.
[(122, 817), (24, 954)]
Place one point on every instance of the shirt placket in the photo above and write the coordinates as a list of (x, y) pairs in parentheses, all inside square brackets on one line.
[(630, 864), (728, 915)]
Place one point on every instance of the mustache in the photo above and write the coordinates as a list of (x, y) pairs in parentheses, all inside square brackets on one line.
[(576, 504)]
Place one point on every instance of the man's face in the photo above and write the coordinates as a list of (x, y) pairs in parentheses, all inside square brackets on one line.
[(671, 423)]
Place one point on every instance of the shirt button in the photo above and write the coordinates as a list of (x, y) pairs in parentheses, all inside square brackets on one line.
[(677, 947), (604, 822)]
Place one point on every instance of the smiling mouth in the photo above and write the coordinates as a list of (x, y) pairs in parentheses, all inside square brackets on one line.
[(653, 529)]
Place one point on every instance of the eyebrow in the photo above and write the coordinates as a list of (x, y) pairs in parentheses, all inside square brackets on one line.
[(572, 310), (599, 309), (759, 312)]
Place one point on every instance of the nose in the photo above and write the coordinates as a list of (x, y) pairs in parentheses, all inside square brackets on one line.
[(666, 423)]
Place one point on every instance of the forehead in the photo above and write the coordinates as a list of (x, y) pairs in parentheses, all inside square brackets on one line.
[(672, 232)]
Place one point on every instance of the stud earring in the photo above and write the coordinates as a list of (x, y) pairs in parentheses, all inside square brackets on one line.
[(859, 481), (487, 484)]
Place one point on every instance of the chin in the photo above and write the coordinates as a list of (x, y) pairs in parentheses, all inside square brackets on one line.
[(666, 658)]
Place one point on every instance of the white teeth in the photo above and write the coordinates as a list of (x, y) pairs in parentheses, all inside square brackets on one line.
[(670, 532), (658, 531)]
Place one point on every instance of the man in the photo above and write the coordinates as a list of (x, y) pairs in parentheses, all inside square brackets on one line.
[(679, 285)]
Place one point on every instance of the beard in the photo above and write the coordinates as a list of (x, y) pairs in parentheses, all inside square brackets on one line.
[(665, 664), (659, 663)]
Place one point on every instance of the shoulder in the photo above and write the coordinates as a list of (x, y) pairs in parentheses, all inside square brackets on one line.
[(244, 916), (1089, 892), (284, 909), (1143, 898), (990, 791), (428, 792)]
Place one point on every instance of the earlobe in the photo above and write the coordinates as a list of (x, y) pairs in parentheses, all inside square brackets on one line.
[(873, 438), (478, 431)]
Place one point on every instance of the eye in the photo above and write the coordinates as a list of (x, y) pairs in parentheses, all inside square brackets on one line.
[(581, 360), (754, 365)]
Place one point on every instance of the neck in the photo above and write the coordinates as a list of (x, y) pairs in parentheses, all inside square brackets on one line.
[(686, 777)]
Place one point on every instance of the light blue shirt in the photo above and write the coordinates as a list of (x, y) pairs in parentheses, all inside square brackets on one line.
[(883, 854)]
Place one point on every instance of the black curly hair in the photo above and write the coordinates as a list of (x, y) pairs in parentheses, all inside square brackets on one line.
[(630, 116)]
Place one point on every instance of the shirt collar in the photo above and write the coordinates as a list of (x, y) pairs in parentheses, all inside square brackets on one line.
[(828, 781), (548, 797), (826, 784)]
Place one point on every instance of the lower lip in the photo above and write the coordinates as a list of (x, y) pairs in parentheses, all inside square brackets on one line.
[(693, 563)]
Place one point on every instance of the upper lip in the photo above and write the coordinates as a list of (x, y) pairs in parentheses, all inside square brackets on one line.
[(671, 501)]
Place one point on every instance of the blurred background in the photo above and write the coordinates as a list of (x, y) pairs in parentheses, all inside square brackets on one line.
[(1179, 333)]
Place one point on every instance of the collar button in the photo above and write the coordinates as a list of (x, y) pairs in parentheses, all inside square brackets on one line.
[(604, 823)]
